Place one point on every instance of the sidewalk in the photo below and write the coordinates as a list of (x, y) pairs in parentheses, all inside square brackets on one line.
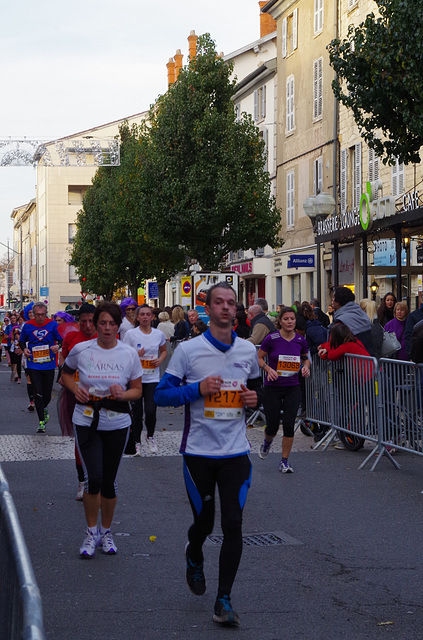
[(349, 564)]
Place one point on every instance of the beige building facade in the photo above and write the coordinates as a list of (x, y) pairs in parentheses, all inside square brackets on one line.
[(60, 190), (25, 253)]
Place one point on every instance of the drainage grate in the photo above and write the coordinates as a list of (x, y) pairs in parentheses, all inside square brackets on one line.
[(260, 539)]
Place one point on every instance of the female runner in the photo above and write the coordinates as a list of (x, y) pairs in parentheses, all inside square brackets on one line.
[(109, 379), (287, 354)]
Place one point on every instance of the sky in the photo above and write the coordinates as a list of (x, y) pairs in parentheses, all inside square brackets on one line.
[(70, 66)]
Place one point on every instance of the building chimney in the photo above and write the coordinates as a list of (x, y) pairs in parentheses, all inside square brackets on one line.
[(171, 72), (178, 62), (267, 23), (192, 44)]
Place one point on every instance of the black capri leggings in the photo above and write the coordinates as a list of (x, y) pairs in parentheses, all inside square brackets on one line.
[(101, 453), (277, 399)]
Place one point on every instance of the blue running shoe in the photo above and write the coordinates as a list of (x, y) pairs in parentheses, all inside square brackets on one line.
[(223, 612)]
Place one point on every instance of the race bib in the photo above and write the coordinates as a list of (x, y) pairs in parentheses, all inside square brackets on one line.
[(226, 404), (148, 367), (288, 365), (41, 353)]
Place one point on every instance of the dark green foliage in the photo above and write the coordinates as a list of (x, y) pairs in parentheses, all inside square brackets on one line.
[(379, 70)]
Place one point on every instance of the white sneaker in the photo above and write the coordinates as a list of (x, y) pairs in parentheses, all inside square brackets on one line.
[(138, 449), (91, 541), (152, 444), (107, 544), (80, 493)]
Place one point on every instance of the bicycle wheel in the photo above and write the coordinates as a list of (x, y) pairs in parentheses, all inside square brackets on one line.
[(351, 442)]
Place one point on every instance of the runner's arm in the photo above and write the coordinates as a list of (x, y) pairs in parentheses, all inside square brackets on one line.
[(171, 392)]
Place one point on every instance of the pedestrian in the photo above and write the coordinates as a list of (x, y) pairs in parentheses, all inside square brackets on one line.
[(215, 376), (397, 326), (166, 327), (109, 379), (198, 328), (15, 351), (287, 356), (13, 321), (242, 328), (369, 308), (40, 342), (192, 318), (28, 315), (87, 331), (128, 307), (5, 336), (348, 312), (319, 314), (181, 327), (385, 311), (150, 345), (261, 325), (412, 319)]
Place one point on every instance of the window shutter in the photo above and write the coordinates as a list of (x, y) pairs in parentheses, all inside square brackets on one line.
[(284, 34), (266, 148), (320, 86), (316, 16), (263, 101), (294, 29), (256, 105), (290, 121), (321, 15), (343, 181), (357, 174), (400, 179)]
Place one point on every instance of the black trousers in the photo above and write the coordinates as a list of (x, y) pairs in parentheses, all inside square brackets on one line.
[(233, 479), (150, 410), (42, 385), (277, 399)]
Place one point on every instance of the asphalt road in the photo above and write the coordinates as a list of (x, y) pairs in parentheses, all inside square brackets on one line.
[(349, 562)]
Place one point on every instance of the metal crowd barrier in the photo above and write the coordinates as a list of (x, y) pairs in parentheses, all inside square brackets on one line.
[(380, 402), (21, 615)]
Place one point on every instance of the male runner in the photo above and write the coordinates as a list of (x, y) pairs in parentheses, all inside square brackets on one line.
[(39, 341), (215, 376)]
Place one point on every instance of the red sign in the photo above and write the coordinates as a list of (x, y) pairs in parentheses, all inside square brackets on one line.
[(187, 287), (84, 295), (244, 267)]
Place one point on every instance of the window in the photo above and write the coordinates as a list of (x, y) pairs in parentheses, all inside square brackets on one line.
[(318, 16), (71, 232), (343, 181), (290, 110), (289, 33), (265, 136), (350, 182), (72, 274), (373, 165), (33, 256), (76, 193), (397, 175), (317, 88), (237, 112), (290, 201), (356, 178), (318, 176), (352, 3), (260, 104)]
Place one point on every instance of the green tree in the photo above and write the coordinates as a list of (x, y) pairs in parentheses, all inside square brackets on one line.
[(115, 243), (213, 195), (379, 68)]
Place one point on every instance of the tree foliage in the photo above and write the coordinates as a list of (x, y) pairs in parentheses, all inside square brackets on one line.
[(214, 194), (379, 67), (116, 243)]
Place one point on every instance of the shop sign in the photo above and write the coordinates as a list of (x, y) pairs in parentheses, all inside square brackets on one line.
[(371, 208), (300, 261), (243, 267)]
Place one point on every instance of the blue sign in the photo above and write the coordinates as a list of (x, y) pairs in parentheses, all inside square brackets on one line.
[(153, 290), (300, 261), (43, 292)]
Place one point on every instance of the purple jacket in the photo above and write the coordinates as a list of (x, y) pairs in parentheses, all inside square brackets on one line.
[(398, 327)]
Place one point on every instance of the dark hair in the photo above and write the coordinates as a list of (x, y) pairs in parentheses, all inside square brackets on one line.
[(110, 308), (141, 306), (381, 310), (222, 285), (262, 302), (315, 302), (201, 326), (284, 310), (86, 307), (307, 311), (343, 295), (340, 334), (241, 316)]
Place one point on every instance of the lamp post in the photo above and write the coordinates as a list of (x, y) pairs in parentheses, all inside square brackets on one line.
[(374, 289), (318, 208)]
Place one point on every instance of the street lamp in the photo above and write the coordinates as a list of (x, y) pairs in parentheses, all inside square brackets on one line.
[(374, 289), (318, 208)]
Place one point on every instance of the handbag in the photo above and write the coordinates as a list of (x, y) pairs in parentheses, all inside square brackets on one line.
[(390, 344)]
